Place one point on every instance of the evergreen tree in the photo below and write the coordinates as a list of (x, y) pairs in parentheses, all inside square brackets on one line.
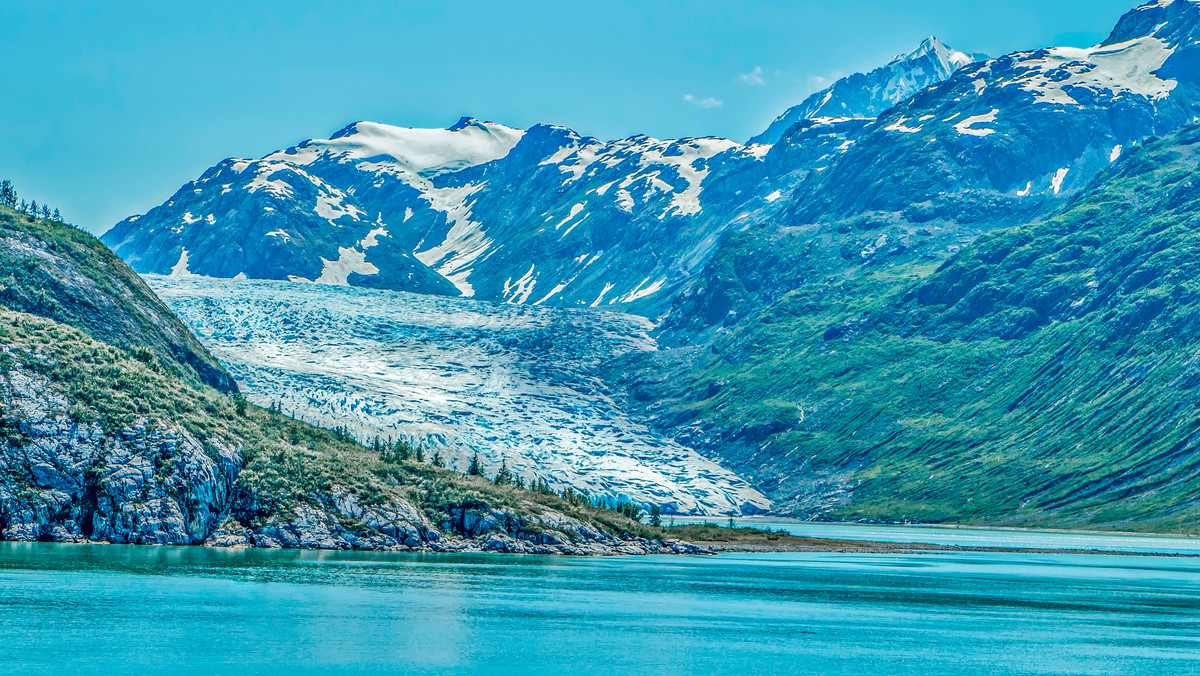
[(57, 216), (436, 460), (504, 477), (33, 209), (419, 454), (8, 194), (24, 208), (45, 212), (656, 516), (401, 450), (474, 468)]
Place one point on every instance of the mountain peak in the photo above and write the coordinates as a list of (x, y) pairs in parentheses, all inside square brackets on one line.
[(466, 121), (869, 94)]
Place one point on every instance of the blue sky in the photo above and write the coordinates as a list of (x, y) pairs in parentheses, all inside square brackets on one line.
[(111, 106)]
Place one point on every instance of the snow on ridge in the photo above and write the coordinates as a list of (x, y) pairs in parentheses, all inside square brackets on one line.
[(1123, 68), (422, 152), (519, 291), (640, 291), (1057, 182), (464, 243), (902, 126), (180, 269), (331, 206)]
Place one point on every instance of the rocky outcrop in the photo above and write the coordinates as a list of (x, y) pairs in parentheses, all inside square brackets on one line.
[(66, 481), (62, 480)]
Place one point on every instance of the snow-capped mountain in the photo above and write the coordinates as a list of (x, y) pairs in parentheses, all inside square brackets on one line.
[(867, 95), (547, 216), (478, 210), (999, 139)]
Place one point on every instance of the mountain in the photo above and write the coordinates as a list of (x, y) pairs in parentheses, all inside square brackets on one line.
[(771, 371), (113, 429), (873, 317), (868, 95), (1044, 375), (996, 142), (479, 210), (542, 216), (67, 276)]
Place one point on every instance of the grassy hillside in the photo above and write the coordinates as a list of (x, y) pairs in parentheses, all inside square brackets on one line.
[(59, 272), (1045, 375)]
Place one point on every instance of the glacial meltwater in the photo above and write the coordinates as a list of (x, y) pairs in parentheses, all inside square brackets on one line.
[(109, 609)]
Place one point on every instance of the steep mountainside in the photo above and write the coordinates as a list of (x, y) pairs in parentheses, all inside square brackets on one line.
[(111, 441), (546, 216), (998, 144), (868, 95), (67, 276), (1043, 376), (481, 210)]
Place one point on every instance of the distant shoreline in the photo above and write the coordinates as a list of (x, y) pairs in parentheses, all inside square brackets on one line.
[(823, 545)]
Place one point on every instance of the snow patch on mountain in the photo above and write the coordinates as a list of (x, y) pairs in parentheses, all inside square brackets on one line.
[(414, 152), (967, 126), (1123, 68)]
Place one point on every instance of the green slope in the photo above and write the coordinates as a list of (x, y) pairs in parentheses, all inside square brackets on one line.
[(1045, 375), (56, 271)]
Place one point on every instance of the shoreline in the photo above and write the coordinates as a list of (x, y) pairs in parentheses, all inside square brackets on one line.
[(749, 522), (830, 546), (788, 545)]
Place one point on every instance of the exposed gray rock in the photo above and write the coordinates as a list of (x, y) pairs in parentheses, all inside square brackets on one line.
[(65, 481), (69, 481)]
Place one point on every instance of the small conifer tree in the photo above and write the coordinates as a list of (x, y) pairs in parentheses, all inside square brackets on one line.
[(504, 477)]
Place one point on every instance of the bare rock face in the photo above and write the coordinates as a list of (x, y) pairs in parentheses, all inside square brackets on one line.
[(65, 481)]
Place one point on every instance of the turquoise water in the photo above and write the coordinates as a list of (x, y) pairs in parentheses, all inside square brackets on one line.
[(108, 609)]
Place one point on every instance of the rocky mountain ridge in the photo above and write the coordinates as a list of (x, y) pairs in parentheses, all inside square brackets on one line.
[(936, 140), (868, 95)]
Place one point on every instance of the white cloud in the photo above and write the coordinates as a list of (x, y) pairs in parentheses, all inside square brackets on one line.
[(709, 102), (820, 82), (754, 78)]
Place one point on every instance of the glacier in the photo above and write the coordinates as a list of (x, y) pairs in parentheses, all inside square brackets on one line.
[(518, 384)]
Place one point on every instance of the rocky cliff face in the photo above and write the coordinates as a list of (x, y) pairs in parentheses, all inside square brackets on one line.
[(63, 480)]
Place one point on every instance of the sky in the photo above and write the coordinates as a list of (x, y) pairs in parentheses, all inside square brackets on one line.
[(110, 106)]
